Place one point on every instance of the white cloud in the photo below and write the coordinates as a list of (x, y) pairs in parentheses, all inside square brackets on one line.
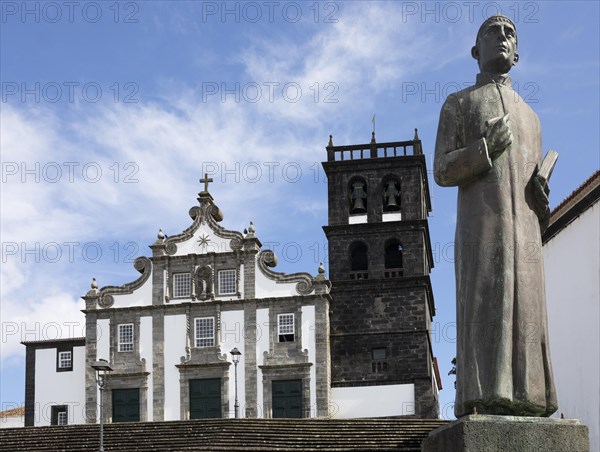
[(163, 145)]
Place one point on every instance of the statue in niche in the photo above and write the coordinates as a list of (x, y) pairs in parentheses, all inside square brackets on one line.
[(205, 282), (489, 144), (358, 197)]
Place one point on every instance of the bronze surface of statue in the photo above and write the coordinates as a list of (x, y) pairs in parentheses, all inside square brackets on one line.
[(489, 144)]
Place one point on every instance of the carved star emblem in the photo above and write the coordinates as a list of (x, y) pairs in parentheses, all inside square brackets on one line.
[(203, 240)]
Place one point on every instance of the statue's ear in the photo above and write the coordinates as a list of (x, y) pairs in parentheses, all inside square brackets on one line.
[(475, 52), (516, 58)]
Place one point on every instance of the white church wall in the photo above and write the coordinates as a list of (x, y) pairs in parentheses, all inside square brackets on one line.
[(175, 341), (572, 264), (139, 297), (102, 348), (146, 353), (59, 388), (262, 345), (267, 288), (215, 243), (103, 339), (308, 343), (373, 401), (232, 335)]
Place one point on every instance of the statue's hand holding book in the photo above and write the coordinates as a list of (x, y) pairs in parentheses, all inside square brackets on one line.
[(541, 188)]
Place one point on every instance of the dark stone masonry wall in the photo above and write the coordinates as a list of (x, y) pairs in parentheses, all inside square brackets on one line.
[(379, 310)]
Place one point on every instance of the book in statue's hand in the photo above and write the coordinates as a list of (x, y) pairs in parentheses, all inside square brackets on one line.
[(547, 166)]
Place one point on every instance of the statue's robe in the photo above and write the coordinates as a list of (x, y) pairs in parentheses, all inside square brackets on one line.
[(503, 361)]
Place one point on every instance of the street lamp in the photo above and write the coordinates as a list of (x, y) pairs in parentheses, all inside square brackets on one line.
[(235, 356), (101, 367)]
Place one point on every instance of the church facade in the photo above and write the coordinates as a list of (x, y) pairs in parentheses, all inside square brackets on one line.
[(208, 291)]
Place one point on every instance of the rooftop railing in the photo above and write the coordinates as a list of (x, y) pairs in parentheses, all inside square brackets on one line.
[(373, 149)]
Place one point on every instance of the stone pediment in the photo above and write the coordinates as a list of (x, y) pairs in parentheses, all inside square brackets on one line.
[(105, 297), (295, 283), (203, 236)]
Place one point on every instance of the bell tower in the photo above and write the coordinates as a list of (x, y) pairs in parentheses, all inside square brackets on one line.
[(380, 258)]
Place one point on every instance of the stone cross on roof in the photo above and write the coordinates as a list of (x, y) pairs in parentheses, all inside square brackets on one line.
[(206, 181)]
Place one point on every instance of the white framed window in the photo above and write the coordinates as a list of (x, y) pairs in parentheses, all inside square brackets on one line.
[(285, 327), (59, 415), (227, 284), (126, 337), (182, 285), (61, 418), (205, 332), (65, 360)]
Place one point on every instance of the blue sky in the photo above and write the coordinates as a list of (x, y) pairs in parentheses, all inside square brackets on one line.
[(112, 111)]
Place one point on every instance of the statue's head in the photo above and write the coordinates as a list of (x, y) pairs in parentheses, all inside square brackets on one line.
[(496, 47)]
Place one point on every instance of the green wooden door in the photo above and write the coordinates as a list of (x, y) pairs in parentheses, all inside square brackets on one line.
[(126, 405), (287, 398), (205, 399)]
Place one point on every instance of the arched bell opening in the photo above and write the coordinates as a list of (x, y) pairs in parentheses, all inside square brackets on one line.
[(394, 259), (391, 195), (359, 261), (357, 190)]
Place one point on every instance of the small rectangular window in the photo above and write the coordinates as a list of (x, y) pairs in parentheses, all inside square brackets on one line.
[(379, 360), (227, 284), (379, 354), (205, 332), (182, 285), (285, 327), (59, 415), (126, 337), (62, 418), (65, 360)]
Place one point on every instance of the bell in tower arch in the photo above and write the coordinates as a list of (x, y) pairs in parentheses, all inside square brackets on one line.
[(391, 196), (358, 197)]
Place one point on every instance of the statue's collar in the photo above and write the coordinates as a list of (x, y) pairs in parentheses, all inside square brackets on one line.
[(484, 78)]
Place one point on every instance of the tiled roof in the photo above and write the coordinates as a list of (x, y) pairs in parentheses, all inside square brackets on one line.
[(573, 206), (592, 182), (13, 412), (239, 435)]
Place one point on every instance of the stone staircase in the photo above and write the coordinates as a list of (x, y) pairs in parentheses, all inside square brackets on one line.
[(284, 435)]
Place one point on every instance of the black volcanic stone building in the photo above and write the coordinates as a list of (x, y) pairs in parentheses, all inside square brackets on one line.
[(380, 259)]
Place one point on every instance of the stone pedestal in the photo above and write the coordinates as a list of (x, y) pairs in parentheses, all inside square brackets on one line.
[(487, 433)]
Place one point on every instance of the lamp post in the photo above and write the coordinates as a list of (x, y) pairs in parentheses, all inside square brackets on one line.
[(101, 367), (235, 356)]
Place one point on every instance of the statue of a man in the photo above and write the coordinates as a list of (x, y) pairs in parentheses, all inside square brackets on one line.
[(489, 144)]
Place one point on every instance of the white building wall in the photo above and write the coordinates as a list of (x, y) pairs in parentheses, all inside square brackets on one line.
[(309, 343), (102, 349), (175, 342), (103, 339), (373, 401), (12, 422), (59, 388), (215, 243), (267, 288), (262, 345), (572, 263), (146, 353), (232, 335), (139, 297)]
